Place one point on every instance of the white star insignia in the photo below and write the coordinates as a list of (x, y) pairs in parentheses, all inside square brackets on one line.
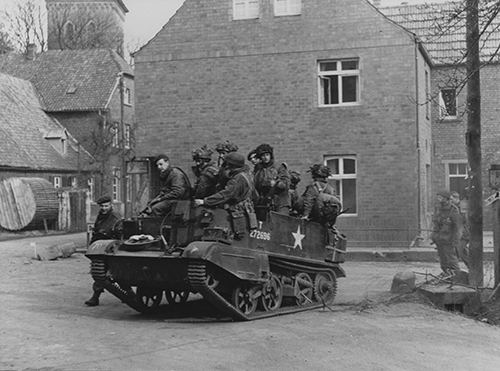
[(298, 238)]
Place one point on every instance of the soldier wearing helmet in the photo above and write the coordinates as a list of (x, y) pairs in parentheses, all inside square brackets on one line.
[(447, 230), (205, 173), (237, 192), (272, 181), (319, 195), (223, 148)]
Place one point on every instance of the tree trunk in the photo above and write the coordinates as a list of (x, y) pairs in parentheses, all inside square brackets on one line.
[(473, 141)]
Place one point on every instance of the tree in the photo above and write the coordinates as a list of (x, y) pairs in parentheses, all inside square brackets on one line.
[(26, 24), (5, 42)]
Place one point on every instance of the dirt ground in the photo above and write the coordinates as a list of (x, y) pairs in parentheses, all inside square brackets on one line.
[(44, 325)]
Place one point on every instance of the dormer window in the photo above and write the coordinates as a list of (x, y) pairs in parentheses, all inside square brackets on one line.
[(287, 7), (58, 139), (245, 9)]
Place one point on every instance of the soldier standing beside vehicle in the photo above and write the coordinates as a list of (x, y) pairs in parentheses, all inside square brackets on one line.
[(205, 171), (463, 243), (103, 230), (174, 186), (447, 229), (272, 181)]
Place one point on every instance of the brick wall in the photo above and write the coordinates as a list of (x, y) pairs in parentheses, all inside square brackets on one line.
[(449, 135), (255, 81)]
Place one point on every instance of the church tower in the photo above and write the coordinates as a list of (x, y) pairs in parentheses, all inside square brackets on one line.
[(86, 24)]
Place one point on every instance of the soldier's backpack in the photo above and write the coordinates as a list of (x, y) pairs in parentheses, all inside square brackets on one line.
[(327, 205)]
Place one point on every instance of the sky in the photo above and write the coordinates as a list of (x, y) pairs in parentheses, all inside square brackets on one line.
[(146, 17)]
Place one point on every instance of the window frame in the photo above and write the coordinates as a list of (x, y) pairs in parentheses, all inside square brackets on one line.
[(116, 184), (341, 176), (127, 100), (115, 135), (443, 110), (127, 129), (293, 7), (57, 181), (341, 73), (91, 186), (247, 13), (448, 175)]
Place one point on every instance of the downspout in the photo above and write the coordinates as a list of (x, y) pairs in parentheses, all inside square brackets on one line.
[(417, 128)]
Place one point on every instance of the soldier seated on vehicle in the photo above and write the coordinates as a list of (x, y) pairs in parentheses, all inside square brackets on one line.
[(295, 198), (205, 171), (236, 196), (104, 229), (223, 149), (319, 199), (272, 182), (174, 186)]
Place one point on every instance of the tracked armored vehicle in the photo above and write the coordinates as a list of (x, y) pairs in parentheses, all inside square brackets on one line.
[(284, 265)]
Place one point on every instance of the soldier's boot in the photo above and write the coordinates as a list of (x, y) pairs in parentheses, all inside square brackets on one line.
[(94, 300)]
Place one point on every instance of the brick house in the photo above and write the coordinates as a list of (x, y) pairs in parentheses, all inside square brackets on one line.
[(322, 81), (34, 144), (442, 29), (90, 92)]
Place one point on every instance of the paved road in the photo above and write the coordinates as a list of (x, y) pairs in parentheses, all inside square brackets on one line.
[(44, 324)]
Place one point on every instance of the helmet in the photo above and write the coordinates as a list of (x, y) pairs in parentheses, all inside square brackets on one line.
[(203, 153), (294, 177), (226, 147), (251, 154), (444, 193), (234, 159), (320, 171), (264, 148)]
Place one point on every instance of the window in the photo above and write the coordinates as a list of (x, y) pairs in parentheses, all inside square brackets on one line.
[(338, 82), (91, 185), (116, 184), (126, 134), (287, 7), (57, 181), (115, 135), (91, 28), (245, 9), (69, 31), (457, 175), (126, 97), (343, 179), (448, 103)]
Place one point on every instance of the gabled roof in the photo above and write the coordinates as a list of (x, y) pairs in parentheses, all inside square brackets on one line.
[(23, 128), (441, 27), (70, 80)]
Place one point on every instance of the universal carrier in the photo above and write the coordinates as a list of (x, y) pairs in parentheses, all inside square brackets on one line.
[(284, 265)]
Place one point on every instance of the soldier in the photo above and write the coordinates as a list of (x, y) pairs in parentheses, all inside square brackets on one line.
[(319, 199), (223, 149), (103, 230), (238, 191), (463, 243), (253, 159), (295, 198), (205, 172), (174, 186), (272, 181), (446, 232)]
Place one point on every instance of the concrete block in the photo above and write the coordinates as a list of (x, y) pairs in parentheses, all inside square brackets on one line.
[(453, 297), (403, 282)]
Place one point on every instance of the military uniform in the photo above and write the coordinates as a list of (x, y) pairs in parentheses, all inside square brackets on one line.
[(237, 189), (446, 232), (206, 180), (174, 186), (310, 198), (103, 226)]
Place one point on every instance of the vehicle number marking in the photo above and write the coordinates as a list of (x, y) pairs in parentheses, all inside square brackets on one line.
[(260, 235)]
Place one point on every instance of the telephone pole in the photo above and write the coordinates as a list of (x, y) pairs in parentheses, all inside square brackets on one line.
[(473, 143)]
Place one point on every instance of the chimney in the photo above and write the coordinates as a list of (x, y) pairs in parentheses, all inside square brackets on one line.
[(30, 52)]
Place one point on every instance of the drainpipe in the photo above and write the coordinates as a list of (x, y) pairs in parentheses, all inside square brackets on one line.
[(417, 128)]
